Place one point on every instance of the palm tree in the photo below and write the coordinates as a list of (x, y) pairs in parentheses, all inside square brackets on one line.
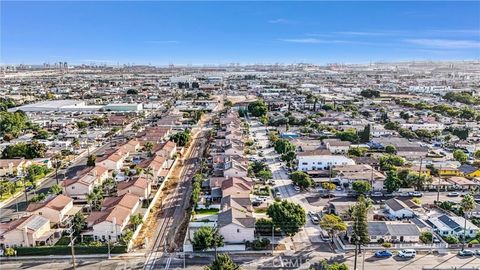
[(467, 204), (109, 185), (56, 189), (136, 220), (95, 197), (57, 158), (148, 146), (148, 172)]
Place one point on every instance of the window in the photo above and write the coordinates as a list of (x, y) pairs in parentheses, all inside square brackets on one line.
[(73, 187), (238, 230)]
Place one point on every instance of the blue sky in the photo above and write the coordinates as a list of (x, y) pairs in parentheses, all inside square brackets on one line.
[(161, 33)]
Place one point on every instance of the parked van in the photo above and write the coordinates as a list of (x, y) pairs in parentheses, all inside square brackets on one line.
[(407, 253)]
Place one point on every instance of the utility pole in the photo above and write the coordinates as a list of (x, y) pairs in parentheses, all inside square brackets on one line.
[(273, 238), (72, 244), (438, 190)]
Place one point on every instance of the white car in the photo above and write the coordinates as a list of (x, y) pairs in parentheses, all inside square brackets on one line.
[(315, 219), (297, 188), (407, 253)]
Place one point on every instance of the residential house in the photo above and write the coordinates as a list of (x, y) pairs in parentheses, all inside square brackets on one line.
[(347, 174), (393, 232), (167, 150), (129, 201), (462, 183), (55, 208), (448, 171), (397, 209), (236, 226), (79, 187), (234, 169), (446, 225), (320, 160), (139, 186), (13, 167), (469, 170), (337, 146), (27, 232)]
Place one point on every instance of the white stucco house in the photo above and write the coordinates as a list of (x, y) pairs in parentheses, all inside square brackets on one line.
[(320, 160), (397, 209)]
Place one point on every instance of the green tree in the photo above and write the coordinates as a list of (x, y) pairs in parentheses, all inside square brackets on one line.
[(126, 236), (12, 123), (222, 262), (362, 187), (289, 157), (94, 198), (477, 154), (301, 179), (389, 162), (258, 108), (390, 149), (460, 156), (82, 125), (207, 238), (369, 93), (360, 223), (426, 237), (365, 135), (79, 222), (91, 160), (357, 151), (348, 135), (181, 138), (56, 189), (333, 225), (136, 220), (283, 146), (392, 182), (132, 91), (287, 216), (467, 204), (265, 175), (148, 146), (392, 125)]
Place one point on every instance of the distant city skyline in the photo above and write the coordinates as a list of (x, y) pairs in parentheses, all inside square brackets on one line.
[(213, 33)]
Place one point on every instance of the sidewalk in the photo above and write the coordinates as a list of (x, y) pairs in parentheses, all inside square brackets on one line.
[(67, 257)]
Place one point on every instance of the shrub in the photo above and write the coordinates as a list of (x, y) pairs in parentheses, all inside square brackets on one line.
[(260, 244), (387, 245), (451, 239), (426, 237), (474, 242)]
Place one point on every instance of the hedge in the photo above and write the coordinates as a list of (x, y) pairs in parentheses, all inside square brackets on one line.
[(66, 250)]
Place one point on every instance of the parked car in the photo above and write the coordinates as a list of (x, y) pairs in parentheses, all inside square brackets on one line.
[(416, 194), (377, 194), (383, 254), (278, 195), (466, 252), (477, 251), (328, 195), (29, 188), (407, 253), (453, 194), (315, 219), (297, 188)]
